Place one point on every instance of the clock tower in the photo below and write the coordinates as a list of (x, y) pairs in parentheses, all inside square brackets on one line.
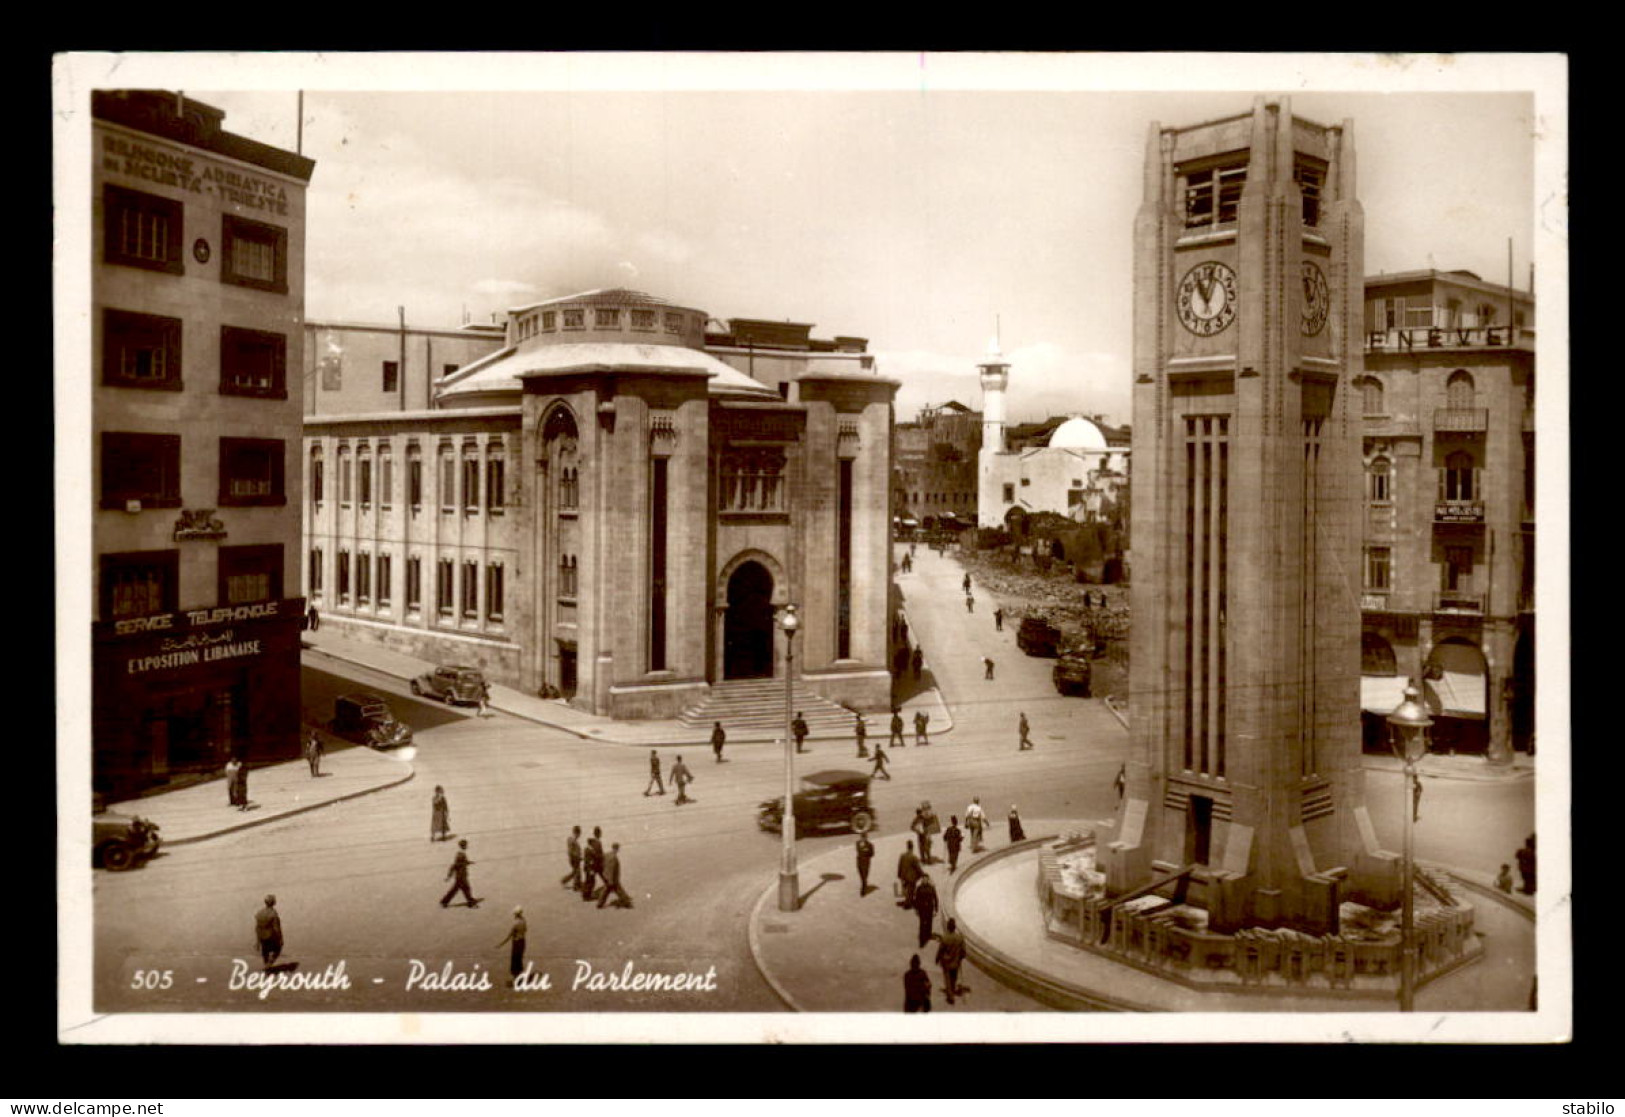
[(1245, 775)]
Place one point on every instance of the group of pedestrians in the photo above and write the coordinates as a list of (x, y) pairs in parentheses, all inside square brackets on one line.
[(679, 774), (591, 865)]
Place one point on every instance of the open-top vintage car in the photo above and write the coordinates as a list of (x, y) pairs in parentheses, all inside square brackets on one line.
[(835, 798), (118, 841), (451, 684)]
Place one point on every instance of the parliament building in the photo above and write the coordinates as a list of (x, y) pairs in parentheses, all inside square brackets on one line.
[(610, 506)]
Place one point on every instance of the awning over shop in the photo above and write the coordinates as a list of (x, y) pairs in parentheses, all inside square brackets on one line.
[(1458, 691), (1381, 694), (1456, 694)]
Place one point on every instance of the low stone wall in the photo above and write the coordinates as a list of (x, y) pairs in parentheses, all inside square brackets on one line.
[(498, 661), (1145, 934)]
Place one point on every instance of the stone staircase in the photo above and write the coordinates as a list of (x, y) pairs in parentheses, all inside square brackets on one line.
[(757, 706)]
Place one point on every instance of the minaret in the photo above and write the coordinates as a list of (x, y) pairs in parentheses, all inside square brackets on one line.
[(995, 372), (1244, 689), (995, 378)]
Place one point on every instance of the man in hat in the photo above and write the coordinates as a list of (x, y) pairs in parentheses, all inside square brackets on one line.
[(654, 775), (798, 729), (268, 932), (516, 936), (925, 907), (459, 872), (909, 873), (896, 738), (572, 850), (861, 730), (951, 956), (682, 777), (1026, 741), (612, 878), (866, 854)]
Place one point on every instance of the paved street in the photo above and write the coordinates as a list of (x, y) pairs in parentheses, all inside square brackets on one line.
[(359, 881)]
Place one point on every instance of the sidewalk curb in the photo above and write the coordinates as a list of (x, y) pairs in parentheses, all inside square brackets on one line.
[(596, 738), (752, 936), (410, 773)]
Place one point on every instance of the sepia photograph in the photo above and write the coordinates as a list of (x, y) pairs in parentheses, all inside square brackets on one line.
[(684, 548)]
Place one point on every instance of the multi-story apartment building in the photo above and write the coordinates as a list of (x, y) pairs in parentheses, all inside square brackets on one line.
[(936, 463), (359, 368), (1449, 456), (197, 289)]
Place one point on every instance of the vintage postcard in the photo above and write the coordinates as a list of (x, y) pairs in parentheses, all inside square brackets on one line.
[(739, 547)]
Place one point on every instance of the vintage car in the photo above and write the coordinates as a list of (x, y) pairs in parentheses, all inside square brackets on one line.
[(451, 684), (1072, 673), (1036, 636), (367, 719), (118, 841), (837, 798)]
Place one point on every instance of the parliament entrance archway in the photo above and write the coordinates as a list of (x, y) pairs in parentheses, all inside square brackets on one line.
[(747, 627)]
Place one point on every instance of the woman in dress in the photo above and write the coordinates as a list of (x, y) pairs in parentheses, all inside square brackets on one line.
[(440, 823), (1017, 834)]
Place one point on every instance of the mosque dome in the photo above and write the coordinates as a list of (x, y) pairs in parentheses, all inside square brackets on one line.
[(1077, 434)]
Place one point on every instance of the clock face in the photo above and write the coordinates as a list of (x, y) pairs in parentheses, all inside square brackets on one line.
[(1207, 298), (1316, 300)]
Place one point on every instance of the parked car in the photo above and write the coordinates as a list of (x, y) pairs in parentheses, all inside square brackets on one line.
[(1072, 674), (451, 684), (118, 842), (1036, 636), (368, 720), (836, 798)]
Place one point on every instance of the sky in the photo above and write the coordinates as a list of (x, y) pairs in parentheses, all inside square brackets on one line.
[(923, 202)]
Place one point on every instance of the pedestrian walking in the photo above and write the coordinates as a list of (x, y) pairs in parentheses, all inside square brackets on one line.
[(965, 585), (439, 816), (922, 721), (313, 753), (572, 850), (953, 838), (930, 826), (970, 604), (516, 953), (458, 874), (866, 855), (268, 932), (719, 737), (1017, 834), (682, 777), (921, 834), (896, 739), (242, 785), (917, 661), (313, 619), (987, 668), (951, 956), (1026, 741), (860, 729), (798, 729), (485, 699), (592, 864), (975, 822), (1121, 781), (908, 874), (998, 626), (654, 775), (1503, 880), (925, 908), (1526, 865), (612, 878), (233, 798), (916, 987), (879, 770)]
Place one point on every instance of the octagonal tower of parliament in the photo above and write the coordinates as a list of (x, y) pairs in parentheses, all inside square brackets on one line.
[(1245, 684)]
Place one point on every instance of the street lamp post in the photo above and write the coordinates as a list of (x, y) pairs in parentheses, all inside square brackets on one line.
[(1408, 725), (789, 880)]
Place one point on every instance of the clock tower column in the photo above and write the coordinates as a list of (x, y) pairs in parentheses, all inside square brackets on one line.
[(1245, 653)]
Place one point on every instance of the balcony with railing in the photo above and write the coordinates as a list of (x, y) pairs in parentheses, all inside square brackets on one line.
[(1459, 602), (1458, 512), (1461, 420)]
